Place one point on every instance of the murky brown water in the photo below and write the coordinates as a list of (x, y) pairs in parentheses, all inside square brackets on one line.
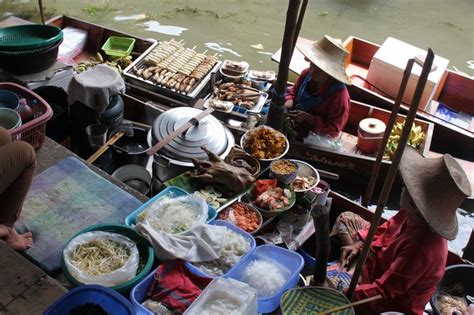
[(253, 29)]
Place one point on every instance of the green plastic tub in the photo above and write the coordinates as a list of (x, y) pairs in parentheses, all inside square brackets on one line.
[(118, 46), (28, 38), (147, 255)]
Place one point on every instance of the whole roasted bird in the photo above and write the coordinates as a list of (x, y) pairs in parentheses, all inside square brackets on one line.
[(222, 176)]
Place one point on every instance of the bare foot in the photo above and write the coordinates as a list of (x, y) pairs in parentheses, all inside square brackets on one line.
[(20, 242)]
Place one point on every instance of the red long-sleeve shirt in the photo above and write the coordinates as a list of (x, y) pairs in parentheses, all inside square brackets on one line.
[(330, 117), (406, 263)]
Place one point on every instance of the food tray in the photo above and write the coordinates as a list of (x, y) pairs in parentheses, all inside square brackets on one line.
[(172, 192), (138, 295), (118, 46), (34, 131), (199, 90), (206, 105), (237, 230), (257, 108)]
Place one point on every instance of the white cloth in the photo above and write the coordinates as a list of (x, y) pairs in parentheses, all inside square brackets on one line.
[(202, 242), (94, 87)]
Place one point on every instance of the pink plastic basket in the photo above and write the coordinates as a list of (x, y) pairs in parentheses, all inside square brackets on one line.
[(34, 131)]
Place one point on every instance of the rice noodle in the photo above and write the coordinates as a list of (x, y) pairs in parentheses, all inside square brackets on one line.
[(235, 246), (266, 276)]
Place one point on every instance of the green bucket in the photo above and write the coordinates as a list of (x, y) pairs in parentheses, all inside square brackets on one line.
[(147, 255)]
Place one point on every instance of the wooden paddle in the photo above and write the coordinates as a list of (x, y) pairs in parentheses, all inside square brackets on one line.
[(343, 307), (192, 122)]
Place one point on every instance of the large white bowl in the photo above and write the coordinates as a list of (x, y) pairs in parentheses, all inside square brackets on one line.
[(243, 140)]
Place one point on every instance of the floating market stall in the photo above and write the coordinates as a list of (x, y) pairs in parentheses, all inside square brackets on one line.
[(201, 236)]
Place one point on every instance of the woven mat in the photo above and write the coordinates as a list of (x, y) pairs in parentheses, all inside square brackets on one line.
[(63, 200)]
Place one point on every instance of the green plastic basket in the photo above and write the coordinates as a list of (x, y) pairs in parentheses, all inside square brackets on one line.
[(29, 37), (118, 46), (147, 255)]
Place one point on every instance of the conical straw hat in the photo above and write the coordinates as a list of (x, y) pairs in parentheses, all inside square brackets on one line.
[(438, 186), (329, 55)]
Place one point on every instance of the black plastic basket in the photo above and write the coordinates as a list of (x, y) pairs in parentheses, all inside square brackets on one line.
[(32, 62)]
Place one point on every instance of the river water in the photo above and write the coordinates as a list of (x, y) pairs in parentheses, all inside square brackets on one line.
[(252, 30)]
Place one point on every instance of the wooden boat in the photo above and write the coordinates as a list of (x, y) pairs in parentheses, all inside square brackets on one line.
[(456, 90), (97, 35), (351, 158)]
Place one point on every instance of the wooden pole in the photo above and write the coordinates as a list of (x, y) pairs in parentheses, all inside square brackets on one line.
[(388, 130), (40, 3), (299, 23), (275, 114), (392, 172)]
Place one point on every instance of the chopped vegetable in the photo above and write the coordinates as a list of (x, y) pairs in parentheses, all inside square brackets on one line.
[(242, 215), (211, 196), (263, 185)]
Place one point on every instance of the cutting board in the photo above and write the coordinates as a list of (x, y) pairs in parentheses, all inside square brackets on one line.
[(65, 199)]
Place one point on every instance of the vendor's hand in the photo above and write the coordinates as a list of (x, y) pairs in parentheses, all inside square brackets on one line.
[(348, 253), (299, 117), (289, 104)]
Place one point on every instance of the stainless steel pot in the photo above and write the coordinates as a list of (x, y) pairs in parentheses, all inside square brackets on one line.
[(176, 157)]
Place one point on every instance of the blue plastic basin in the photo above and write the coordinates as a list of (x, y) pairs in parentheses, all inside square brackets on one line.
[(9, 100), (110, 301), (139, 292), (290, 260), (172, 192)]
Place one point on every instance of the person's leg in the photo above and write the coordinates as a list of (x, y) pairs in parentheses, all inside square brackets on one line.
[(17, 164), (346, 226), (4, 137)]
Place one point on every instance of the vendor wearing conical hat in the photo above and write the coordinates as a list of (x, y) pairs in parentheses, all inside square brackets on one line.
[(319, 100), (408, 253)]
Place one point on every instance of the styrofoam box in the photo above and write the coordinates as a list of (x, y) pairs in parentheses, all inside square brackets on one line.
[(389, 62)]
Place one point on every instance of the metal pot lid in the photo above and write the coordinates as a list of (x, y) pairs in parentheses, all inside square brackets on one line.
[(372, 127), (210, 133)]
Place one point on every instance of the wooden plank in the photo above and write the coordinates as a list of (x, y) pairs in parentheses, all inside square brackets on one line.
[(24, 288), (37, 298), (18, 274)]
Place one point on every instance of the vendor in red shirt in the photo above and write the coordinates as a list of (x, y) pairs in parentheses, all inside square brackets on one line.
[(319, 100), (408, 254)]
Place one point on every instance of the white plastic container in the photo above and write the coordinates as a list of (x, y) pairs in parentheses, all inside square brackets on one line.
[(389, 62), (241, 296)]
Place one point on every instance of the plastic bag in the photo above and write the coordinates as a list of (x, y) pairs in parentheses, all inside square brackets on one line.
[(73, 44), (175, 215), (116, 277), (225, 297), (323, 142)]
